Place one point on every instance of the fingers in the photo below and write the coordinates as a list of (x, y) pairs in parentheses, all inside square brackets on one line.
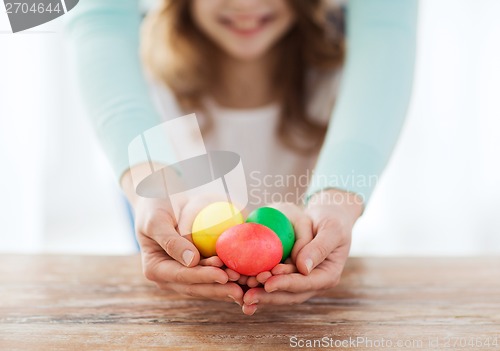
[(252, 282), (249, 309), (327, 239), (243, 280), (284, 268), (166, 270), (303, 234), (263, 276), (325, 276), (295, 282), (256, 298), (230, 292), (160, 228), (232, 275), (260, 278), (213, 261)]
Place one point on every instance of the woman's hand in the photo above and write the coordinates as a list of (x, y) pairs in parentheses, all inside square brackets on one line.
[(170, 259), (323, 233)]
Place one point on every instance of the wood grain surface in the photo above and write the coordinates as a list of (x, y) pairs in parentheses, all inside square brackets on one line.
[(102, 303)]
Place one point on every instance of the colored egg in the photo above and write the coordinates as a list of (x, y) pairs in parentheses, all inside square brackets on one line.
[(249, 248), (211, 222), (278, 223)]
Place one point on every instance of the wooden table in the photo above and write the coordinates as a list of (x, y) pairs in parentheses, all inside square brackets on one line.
[(86, 302)]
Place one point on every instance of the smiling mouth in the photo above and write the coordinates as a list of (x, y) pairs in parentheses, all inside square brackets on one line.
[(246, 26)]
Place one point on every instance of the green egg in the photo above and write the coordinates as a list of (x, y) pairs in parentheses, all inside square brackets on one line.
[(278, 223)]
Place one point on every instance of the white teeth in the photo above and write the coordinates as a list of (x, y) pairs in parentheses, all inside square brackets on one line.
[(246, 24)]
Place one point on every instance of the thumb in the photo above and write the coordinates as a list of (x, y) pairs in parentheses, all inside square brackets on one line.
[(176, 246), (315, 252)]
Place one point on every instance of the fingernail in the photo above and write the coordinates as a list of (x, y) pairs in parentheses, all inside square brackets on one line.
[(220, 282), (231, 297), (187, 257), (272, 290), (309, 265), (254, 302), (250, 314)]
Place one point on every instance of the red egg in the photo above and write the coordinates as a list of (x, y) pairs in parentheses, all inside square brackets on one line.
[(249, 248)]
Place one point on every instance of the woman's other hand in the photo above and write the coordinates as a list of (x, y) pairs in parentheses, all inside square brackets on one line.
[(323, 231)]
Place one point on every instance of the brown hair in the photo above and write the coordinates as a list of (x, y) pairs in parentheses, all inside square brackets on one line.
[(178, 54)]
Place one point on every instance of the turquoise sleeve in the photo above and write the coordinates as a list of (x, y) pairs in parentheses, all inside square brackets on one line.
[(373, 98), (369, 113), (104, 38)]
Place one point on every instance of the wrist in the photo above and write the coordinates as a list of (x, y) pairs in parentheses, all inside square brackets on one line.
[(131, 179), (346, 201)]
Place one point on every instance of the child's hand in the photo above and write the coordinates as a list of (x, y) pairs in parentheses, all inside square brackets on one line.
[(323, 233), (303, 232), (173, 262)]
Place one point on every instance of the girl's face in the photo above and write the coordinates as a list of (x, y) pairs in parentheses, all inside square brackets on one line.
[(244, 29)]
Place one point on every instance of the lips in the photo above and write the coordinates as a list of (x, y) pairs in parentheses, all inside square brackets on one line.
[(246, 25)]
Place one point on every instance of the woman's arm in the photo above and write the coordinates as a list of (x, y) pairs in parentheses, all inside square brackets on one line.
[(104, 39), (374, 96)]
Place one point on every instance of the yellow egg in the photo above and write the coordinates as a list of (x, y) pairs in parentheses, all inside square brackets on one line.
[(211, 222)]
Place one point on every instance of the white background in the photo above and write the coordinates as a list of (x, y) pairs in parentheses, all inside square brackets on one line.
[(439, 195)]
